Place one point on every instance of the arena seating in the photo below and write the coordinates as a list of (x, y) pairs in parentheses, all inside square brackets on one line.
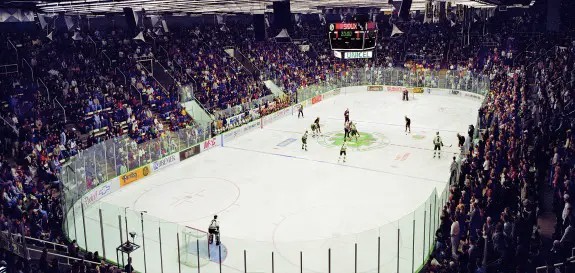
[(74, 94)]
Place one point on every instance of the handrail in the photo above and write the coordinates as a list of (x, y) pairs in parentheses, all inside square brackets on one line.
[(43, 242), (11, 126), (204, 108), (164, 49), (165, 70), (64, 110), (107, 57), (68, 258), (47, 91), (95, 46), (186, 76), (169, 74), (125, 79), (527, 49), (543, 269), (15, 49), (542, 55), (139, 92), (181, 69), (5, 68), (31, 70), (164, 89), (248, 60)]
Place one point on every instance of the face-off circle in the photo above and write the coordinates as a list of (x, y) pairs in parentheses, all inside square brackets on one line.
[(366, 141)]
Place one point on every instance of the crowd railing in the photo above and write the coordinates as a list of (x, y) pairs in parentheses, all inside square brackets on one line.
[(403, 245)]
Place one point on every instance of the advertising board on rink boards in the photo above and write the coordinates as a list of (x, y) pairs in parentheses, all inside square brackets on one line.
[(417, 90), (372, 88), (187, 153), (210, 143), (101, 191), (330, 94), (276, 115), (233, 134), (454, 92), (316, 99), (134, 175), (165, 162)]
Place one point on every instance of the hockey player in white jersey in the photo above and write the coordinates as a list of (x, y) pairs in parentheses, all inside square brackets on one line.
[(437, 143), (214, 230), (304, 141), (343, 152)]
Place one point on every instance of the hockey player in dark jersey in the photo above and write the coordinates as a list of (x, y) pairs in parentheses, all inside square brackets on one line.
[(407, 124), (461, 140), (346, 115), (316, 122)]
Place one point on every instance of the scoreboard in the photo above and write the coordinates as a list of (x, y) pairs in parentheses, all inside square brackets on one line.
[(353, 36)]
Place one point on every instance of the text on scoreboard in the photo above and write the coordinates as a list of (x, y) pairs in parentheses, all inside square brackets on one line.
[(353, 36)]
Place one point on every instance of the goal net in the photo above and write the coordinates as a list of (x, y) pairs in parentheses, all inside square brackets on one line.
[(194, 247)]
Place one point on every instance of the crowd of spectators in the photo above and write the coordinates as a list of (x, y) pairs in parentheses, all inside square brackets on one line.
[(72, 94), (76, 93), (489, 223), (220, 81)]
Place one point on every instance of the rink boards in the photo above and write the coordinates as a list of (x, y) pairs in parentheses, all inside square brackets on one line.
[(278, 128)]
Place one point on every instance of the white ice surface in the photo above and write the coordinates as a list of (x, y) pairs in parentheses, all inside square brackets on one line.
[(282, 199)]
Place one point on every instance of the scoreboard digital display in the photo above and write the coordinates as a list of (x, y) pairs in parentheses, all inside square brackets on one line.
[(353, 36)]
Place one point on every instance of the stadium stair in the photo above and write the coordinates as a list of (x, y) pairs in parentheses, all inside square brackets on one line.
[(241, 58)]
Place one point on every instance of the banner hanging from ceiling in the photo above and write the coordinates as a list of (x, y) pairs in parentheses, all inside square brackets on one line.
[(16, 16)]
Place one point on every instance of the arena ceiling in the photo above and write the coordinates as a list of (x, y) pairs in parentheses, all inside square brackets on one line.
[(210, 6)]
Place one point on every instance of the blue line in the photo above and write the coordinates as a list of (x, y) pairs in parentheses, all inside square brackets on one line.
[(331, 163)]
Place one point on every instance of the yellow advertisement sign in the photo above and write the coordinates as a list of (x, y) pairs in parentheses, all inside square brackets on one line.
[(134, 175), (417, 90)]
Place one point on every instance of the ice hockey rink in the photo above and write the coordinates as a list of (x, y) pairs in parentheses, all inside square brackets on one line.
[(272, 196)]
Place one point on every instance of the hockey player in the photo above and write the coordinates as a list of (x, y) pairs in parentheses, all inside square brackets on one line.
[(300, 111), (471, 131), (304, 141), (317, 125), (346, 130), (214, 230), (437, 143), (353, 131), (407, 124), (342, 152), (461, 140), (405, 95), (346, 115)]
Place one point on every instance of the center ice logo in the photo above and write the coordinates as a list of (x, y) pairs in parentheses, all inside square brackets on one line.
[(366, 141)]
